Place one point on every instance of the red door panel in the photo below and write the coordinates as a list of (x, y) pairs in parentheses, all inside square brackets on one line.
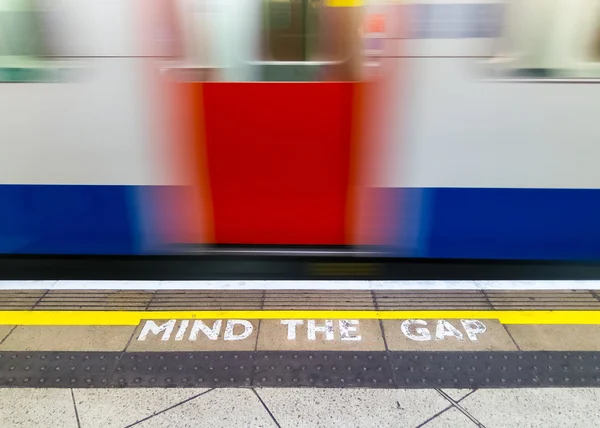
[(278, 159)]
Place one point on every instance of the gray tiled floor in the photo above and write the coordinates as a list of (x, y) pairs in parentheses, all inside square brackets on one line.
[(302, 407), (450, 418), (352, 407), (122, 407)]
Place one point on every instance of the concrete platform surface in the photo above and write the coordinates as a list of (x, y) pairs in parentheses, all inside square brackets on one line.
[(299, 407)]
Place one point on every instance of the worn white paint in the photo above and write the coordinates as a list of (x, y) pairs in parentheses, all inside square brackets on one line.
[(420, 334), (326, 328), (182, 328), (473, 328), (445, 329), (348, 331), (300, 285), (231, 324), (236, 329), (291, 327), (151, 327), (212, 333)]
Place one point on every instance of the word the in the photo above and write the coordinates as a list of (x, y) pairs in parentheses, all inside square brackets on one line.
[(348, 329)]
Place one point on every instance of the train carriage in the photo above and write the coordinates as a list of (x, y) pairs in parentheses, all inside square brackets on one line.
[(436, 129)]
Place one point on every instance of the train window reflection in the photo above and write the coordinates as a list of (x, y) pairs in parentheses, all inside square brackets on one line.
[(310, 40), (291, 28), (550, 39), (24, 41)]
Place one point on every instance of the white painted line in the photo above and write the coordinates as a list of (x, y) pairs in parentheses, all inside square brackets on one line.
[(107, 285), (300, 285), (27, 285)]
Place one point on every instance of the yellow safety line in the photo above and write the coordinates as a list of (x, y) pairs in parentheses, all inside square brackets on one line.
[(117, 318)]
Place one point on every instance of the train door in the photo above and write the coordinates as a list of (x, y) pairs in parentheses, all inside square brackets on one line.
[(269, 90)]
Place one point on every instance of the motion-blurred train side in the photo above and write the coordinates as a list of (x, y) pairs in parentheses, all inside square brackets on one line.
[(440, 128)]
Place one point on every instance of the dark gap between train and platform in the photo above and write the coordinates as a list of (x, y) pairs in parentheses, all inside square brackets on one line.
[(383, 369), (282, 267)]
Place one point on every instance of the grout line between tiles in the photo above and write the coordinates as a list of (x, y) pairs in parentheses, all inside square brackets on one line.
[(487, 299), (381, 329), (257, 336), (75, 407), (150, 300), (110, 377), (466, 395), (170, 408), (130, 339), (511, 337), (266, 408), (40, 299), (457, 406), (9, 333), (426, 421), (385, 344)]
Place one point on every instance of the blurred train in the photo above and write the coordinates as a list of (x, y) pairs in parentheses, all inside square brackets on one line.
[(433, 128)]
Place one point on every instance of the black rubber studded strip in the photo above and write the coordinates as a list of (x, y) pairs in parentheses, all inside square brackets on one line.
[(300, 369)]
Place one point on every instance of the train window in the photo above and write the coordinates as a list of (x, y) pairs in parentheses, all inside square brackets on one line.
[(309, 40), (23, 42), (290, 26), (268, 40), (550, 39)]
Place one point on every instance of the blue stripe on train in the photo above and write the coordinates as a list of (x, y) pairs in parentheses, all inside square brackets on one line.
[(439, 222), (65, 219), (484, 223)]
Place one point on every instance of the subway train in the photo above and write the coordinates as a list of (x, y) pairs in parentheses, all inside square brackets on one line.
[(459, 129)]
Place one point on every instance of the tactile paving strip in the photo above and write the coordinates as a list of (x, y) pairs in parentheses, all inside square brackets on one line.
[(57, 369), (323, 369), (184, 369), (293, 369)]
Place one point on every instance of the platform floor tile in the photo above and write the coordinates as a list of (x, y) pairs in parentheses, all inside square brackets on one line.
[(431, 300), (117, 408), (230, 408), (535, 408), (298, 407), (450, 418), (94, 300), (5, 331), (542, 299), (556, 337), (33, 407), (19, 300), (318, 300), (165, 300), (457, 394), (68, 338), (352, 407)]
